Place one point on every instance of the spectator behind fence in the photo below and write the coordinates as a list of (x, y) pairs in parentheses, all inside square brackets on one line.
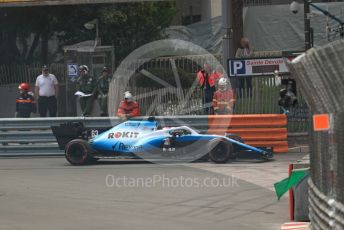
[(128, 107), (25, 103), (223, 100), (245, 51), (86, 88), (103, 89), (46, 90), (207, 84)]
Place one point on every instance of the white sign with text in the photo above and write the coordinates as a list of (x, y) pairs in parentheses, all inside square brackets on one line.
[(256, 67)]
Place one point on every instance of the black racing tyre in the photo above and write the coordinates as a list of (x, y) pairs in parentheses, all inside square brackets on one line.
[(235, 137), (220, 150), (77, 152), (267, 156)]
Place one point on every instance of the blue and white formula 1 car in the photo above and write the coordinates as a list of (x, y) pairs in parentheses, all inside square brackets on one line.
[(143, 139)]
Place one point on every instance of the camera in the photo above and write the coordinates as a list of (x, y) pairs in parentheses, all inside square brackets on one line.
[(294, 7), (288, 99)]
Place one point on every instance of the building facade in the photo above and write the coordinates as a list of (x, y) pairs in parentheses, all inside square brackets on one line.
[(191, 11)]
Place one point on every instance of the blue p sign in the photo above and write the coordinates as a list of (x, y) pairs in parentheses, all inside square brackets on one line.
[(237, 67)]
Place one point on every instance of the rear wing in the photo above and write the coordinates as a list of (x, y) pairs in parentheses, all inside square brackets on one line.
[(66, 132)]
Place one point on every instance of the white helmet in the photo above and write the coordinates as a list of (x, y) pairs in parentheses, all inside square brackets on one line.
[(222, 82), (128, 95)]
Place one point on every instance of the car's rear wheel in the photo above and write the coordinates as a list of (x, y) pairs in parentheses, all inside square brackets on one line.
[(77, 152), (220, 151)]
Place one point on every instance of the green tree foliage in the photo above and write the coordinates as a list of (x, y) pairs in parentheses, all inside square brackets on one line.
[(129, 26), (25, 31)]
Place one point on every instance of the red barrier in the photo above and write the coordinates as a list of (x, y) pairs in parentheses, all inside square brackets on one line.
[(259, 130)]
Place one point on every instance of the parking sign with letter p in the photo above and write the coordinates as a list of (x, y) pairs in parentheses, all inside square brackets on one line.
[(237, 67)]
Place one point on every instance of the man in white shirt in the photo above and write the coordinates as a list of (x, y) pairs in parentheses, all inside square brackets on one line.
[(46, 92)]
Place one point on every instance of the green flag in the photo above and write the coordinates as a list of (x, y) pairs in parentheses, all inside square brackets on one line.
[(284, 185)]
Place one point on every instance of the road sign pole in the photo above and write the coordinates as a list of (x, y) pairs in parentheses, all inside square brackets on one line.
[(227, 39), (307, 22)]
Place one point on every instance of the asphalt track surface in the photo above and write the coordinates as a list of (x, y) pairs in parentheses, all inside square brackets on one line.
[(48, 193)]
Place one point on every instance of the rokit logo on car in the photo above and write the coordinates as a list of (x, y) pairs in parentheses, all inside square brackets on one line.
[(123, 135), (122, 146)]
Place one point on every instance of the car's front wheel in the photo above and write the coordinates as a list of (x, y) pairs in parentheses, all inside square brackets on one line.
[(236, 138), (220, 151), (77, 152)]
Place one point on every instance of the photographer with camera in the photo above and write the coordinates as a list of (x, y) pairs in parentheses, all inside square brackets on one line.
[(287, 98)]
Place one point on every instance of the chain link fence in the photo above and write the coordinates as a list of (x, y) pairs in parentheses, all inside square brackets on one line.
[(16, 73), (320, 75), (256, 95)]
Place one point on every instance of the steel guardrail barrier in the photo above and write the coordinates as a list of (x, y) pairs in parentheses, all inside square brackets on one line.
[(259, 130)]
